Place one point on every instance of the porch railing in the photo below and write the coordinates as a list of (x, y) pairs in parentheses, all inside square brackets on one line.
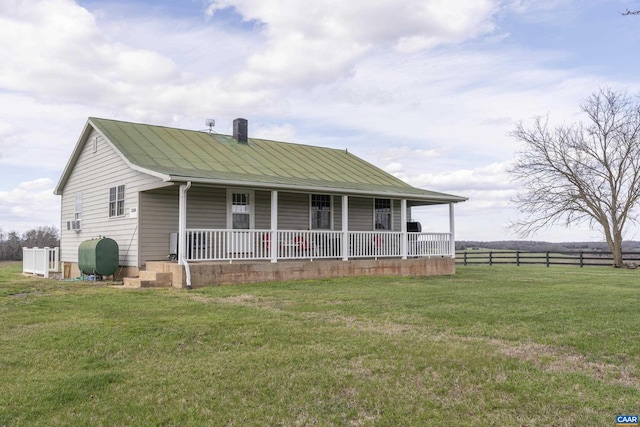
[(221, 245), (40, 260)]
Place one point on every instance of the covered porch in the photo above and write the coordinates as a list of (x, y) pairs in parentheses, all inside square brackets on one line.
[(241, 241)]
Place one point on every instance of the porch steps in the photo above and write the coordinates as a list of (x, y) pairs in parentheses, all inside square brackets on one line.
[(149, 279)]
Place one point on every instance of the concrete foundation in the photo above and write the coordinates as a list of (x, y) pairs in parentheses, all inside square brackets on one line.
[(70, 270), (224, 273)]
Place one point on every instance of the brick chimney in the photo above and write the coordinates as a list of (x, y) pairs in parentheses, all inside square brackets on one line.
[(240, 129)]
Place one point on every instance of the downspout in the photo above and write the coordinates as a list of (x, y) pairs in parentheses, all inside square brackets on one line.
[(452, 231), (404, 243), (182, 219)]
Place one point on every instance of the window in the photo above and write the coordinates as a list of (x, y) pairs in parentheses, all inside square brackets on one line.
[(240, 211), (76, 224), (382, 214), (78, 210), (116, 201), (320, 212)]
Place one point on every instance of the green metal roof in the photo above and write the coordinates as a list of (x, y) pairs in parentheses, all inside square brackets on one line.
[(182, 155)]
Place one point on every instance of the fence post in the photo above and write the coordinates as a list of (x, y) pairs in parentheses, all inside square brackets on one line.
[(45, 260), (490, 258), (517, 258), (465, 257), (581, 259), (26, 258), (547, 258)]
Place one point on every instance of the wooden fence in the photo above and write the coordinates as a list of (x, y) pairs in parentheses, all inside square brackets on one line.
[(577, 258)]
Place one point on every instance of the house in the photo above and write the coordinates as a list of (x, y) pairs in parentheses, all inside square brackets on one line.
[(240, 209)]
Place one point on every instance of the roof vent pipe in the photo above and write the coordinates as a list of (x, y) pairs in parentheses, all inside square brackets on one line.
[(240, 130)]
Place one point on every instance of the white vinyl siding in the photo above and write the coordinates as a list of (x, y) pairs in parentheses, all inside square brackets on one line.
[(94, 173), (293, 211), (397, 214), (360, 217), (262, 209), (158, 219), (206, 208), (337, 213)]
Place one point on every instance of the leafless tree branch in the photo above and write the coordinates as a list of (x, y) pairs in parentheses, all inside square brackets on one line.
[(584, 172)]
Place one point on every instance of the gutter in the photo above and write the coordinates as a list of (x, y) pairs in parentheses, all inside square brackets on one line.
[(435, 199)]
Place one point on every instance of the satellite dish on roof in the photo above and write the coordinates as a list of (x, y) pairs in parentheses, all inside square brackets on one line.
[(211, 123)]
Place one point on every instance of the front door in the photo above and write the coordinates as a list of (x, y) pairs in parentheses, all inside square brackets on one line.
[(241, 218)]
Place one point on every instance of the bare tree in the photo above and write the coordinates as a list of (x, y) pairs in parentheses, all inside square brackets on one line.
[(41, 237), (584, 172)]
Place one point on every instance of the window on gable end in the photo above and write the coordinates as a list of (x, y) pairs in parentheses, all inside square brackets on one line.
[(116, 201)]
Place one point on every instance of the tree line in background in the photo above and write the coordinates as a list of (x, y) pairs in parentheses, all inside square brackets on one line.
[(11, 243)]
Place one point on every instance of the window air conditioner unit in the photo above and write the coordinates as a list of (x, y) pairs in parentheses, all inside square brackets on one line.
[(74, 225)]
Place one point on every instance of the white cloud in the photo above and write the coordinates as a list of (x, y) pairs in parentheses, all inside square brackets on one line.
[(55, 49), (395, 82), (316, 42), (275, 132), (493, 176), (400, 152), (29, 205)]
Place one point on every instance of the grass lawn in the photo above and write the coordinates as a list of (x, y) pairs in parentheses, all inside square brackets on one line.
[(499, 345)]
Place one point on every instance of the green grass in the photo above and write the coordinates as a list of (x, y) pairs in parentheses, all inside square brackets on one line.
[(499, 345)]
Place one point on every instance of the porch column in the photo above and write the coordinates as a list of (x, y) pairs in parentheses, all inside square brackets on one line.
[(345, 228), (182, 222), (452, 232), (403, 228), (274, 227)]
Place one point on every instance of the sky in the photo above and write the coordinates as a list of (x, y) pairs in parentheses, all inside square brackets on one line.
[(427, 90)]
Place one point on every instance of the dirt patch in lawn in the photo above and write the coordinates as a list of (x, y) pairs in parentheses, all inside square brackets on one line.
[(561, 359)]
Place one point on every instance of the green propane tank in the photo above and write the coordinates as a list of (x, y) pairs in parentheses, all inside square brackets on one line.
[(99, 256)]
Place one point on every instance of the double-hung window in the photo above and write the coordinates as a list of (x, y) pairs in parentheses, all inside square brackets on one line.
[(116, 201), (76, 224), (320, 212), (241, 211), (382, 214)]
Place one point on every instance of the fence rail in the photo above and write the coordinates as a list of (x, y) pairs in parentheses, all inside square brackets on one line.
[(40, 260), (211, 245), (576, 258)]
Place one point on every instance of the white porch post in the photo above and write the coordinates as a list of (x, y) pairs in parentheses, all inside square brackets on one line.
[(345, 228), (182, 223), (403, 228), (274, 227), (452, 231)]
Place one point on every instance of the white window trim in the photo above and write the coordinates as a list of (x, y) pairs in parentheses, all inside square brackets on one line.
[(331, 211), (76, 223), (124, 202), (391, 205), (252, 207), (77, 210)]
